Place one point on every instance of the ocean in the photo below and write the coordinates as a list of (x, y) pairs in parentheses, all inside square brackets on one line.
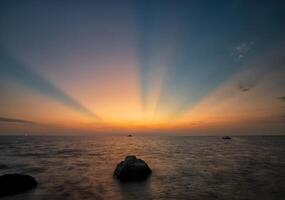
[(184, 167)]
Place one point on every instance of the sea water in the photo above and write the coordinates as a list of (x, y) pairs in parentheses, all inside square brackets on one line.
[(81, 167)]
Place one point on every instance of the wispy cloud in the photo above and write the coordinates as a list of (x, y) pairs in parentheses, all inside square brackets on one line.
[(240, 51), (245, 87), (13, 120)]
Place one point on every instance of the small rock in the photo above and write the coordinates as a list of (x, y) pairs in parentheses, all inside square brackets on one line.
[(3, 166), (132, 169), (11, 184), (227, 138)]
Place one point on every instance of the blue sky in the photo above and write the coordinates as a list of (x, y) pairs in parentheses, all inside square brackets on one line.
[(176, 52)]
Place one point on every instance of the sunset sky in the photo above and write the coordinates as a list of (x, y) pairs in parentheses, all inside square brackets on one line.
[(169, 67)]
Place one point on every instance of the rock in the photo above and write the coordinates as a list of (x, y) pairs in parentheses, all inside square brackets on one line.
[(227, 138), (132, 169), (11, 184), (3, 166)]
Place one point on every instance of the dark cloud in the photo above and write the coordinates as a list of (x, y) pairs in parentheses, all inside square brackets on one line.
[(195, 123), (13, 120), (282, 98), (244, 87)]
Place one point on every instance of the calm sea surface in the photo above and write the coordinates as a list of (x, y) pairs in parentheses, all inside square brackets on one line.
[(195, 168)]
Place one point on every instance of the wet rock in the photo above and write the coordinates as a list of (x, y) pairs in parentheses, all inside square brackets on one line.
[(132, 169), (3, 166), (11, 184)]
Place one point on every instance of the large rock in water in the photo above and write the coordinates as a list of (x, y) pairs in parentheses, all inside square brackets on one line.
[(132, 169), (11, 184)]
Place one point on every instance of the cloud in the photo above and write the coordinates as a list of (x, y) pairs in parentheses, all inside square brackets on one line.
[(245, 86), (282, 98), (240, 51), (13, 120)]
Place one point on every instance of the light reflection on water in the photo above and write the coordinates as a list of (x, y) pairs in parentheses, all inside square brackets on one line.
[(183, 167)]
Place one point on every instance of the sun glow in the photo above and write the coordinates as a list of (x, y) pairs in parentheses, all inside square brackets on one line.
[(145, 66)]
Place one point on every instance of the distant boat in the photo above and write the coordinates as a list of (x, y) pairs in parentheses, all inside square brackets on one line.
[(130, 135), (226, 138)]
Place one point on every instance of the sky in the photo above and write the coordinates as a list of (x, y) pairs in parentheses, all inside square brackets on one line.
[(163, 67)]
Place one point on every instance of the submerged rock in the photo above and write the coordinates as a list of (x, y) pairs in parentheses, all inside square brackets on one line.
[(132, 169), (11, 184)]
